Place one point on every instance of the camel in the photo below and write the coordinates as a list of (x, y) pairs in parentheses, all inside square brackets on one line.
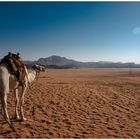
[(9, 82), (39, 68)]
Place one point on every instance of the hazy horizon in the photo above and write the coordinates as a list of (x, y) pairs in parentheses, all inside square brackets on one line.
[(79, 60), (83, 31)]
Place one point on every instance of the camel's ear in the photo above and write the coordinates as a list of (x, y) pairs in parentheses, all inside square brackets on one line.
[(18, 54), (9, 53)]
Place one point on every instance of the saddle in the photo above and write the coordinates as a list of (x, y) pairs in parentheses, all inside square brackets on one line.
[(16, 66)]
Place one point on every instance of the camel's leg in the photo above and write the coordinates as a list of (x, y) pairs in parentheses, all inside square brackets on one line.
[(37, 75), (22, 102), (16, 104), (2, 112), (4, 108)]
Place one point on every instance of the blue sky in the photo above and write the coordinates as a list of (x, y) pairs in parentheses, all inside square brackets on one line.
[(84, 31)]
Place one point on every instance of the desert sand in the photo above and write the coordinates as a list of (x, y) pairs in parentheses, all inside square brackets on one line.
[(79, 103)]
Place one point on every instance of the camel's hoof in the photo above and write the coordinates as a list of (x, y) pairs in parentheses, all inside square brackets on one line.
[(11, 126), (24, 119), (18, 118)]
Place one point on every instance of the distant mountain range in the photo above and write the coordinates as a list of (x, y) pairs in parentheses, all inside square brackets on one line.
[(62, 62)]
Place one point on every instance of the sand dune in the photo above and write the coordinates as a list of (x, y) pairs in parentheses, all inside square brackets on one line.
[(79, 103)]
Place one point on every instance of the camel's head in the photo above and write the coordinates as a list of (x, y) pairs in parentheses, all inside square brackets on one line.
[(39, 68)]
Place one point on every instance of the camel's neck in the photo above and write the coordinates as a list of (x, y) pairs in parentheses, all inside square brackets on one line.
[(31, 75)]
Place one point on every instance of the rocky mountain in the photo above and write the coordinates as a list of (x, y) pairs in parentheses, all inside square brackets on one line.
[(58, 61), (62, 62)]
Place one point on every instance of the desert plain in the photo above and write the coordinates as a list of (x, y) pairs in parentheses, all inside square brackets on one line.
[(79, 103)]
